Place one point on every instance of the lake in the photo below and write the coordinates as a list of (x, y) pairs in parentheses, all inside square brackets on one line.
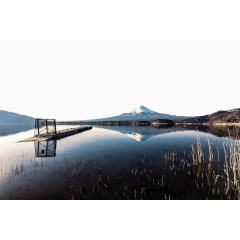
[(117, 162)]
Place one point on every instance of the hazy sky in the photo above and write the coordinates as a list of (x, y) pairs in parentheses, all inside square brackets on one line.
[(74, 80)]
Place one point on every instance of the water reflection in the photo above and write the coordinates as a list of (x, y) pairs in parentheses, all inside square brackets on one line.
[(45, 148), (144, 133), (116, 162), (8, 129)]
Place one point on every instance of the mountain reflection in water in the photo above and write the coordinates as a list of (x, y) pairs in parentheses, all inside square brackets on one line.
[(144, 133), (140, 133)]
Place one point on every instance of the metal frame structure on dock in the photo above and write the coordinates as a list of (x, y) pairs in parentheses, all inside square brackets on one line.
[(45, 130), (45, 127)]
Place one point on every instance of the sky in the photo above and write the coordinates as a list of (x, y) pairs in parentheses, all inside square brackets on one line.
[(80, 80)]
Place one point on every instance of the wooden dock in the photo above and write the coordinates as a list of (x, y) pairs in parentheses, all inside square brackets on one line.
[(60, 134)]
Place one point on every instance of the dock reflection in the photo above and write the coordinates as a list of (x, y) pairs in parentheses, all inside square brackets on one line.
[(45, 148)]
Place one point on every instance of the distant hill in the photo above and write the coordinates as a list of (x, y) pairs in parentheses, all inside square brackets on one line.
[(140, 113), (204, 118), (230, 116), (14, 118), (162, 122)]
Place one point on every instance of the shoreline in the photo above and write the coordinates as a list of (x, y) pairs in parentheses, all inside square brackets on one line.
[(222, 124), (145, 123)]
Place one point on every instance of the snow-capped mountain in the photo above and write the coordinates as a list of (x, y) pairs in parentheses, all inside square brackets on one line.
[(141, 113), (141, 109)]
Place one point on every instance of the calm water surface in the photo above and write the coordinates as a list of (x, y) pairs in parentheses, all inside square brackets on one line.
[(122, 163)]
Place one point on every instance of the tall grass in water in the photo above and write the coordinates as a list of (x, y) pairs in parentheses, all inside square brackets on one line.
[(230, 173), (203, 173), (232, 165)]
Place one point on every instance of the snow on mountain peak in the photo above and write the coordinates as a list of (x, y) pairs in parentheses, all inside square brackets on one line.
[(141, 109)]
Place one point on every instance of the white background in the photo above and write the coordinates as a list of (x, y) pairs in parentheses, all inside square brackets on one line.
[(81, 80), (118, 20)]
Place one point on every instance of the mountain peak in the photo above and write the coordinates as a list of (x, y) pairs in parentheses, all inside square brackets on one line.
[(141, 109), (140, 113)]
